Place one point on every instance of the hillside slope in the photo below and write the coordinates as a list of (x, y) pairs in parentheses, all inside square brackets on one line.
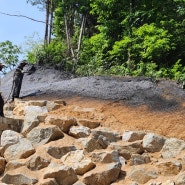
[(126, 103)]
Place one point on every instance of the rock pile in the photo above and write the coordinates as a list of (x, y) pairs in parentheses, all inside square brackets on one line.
[(60, 149)]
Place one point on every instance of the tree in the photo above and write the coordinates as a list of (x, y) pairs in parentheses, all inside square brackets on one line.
[(48, 6), (9, 54), (70, 22)]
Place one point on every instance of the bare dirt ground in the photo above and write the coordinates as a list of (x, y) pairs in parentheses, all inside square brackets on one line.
[(122, 103)]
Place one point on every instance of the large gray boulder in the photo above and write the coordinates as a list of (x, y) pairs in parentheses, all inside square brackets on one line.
[(64, 175), (19, 177), (78, 161), (104, 175), (153, 142), (132, 136), (43, 134), (172, 147), (20, 150)]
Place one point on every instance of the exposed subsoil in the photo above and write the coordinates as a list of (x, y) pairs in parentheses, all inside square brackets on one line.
[(121, 103)]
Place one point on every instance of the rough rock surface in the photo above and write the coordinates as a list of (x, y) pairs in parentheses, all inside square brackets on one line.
[(119, 112)]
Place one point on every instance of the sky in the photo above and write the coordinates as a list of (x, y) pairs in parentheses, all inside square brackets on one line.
[(19, 29)]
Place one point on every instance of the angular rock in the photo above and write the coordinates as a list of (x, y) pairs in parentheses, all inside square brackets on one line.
[(137, 159), (111, 136), (20, 150), (54, 105), (142, 175), (13, 164), (64, 175), (2, 165), (167, 168), (44, 134), (49, 181), (79, 131), (29, 123), (37, 162), (18, 178), (132, 136), (78, 161), (90, 144), (153, 142), (105, 175), (58, 152), (127, 149), (88, 123), (172, 147), (9, 138), (106, 156), (31, 118), (64, 123), (180, 179)]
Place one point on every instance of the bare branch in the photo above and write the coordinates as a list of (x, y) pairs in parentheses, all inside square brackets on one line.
[(15, 15)]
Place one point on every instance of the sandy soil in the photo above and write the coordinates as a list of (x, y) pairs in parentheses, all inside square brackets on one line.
[(121, 117)]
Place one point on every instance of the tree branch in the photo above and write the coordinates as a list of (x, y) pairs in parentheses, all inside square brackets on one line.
[(15, 15)]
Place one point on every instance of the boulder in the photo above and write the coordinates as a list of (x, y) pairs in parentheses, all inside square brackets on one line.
[(37, 162), (14, 164), (58, 152), (105, 156), (31, 117), (137, 159), (153, 142), (64, 175), (49, 181), (78, 161), (111, 136), (167, 168), (43, 134), (9, 138), (180, 179), (19, 177), (63, 122), (2, 165), (142, 175), (132, 136), (79, 131), (106, 174), (88, 123), (172, 147), (20, 150), (127, 149)]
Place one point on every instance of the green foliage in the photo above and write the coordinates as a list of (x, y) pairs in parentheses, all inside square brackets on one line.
[(153, 43), (51, 54), (9, 54), (178, 71), (118, 37)]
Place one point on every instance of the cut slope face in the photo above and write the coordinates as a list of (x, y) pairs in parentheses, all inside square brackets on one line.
[(127, 103)]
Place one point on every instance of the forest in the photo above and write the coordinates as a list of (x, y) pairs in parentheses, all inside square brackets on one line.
[(111, 37)]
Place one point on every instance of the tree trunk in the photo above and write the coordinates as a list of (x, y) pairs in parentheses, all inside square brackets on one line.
[(47, 23), (51, 19), (130, 30), (80, 36)]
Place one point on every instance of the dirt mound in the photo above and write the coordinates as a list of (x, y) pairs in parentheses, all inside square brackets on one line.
[(127, 103)]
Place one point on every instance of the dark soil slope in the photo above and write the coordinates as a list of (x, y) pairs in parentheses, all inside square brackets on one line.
[(127, 102)]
